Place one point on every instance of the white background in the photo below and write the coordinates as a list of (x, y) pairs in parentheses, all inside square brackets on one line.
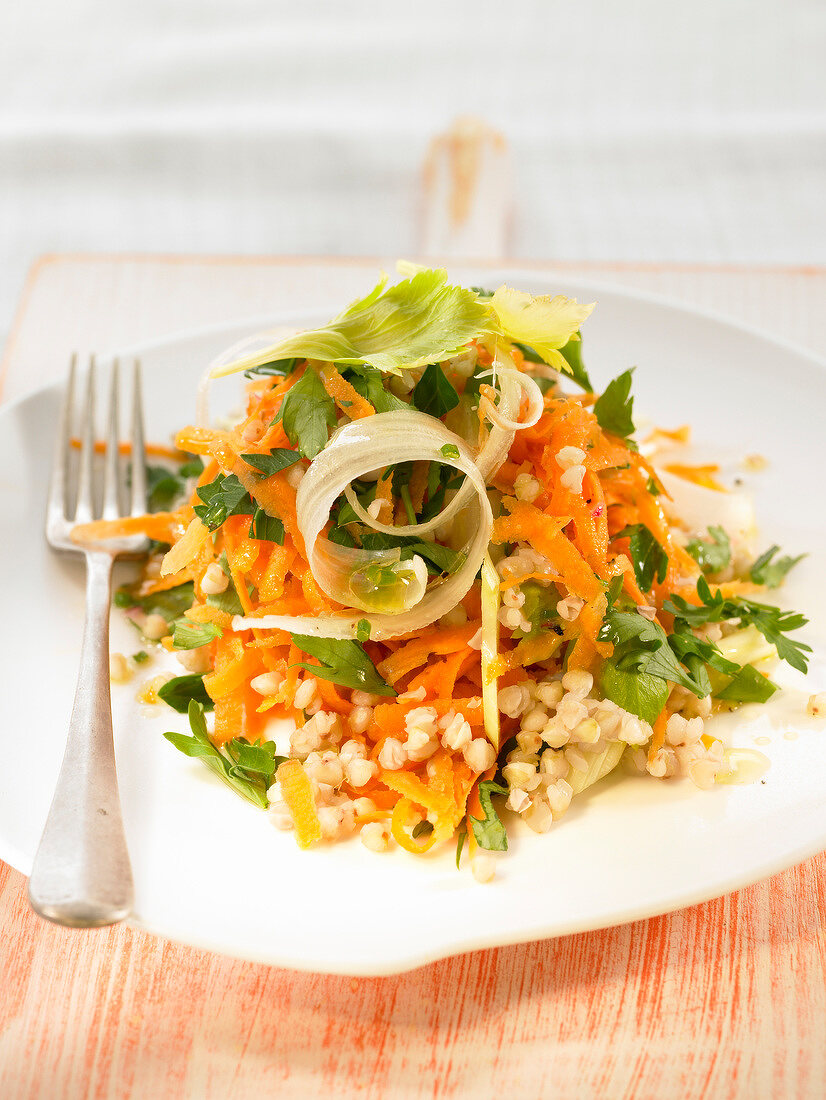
[(641, 130)]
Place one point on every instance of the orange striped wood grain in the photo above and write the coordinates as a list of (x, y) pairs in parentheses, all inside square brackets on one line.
[(723, 1000)]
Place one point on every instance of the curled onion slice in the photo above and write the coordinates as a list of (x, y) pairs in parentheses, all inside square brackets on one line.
[(379, 441)]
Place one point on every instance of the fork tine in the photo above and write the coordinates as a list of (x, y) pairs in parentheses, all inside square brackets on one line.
[(111, 471), (60, 463), (85, 510), (138, 446)]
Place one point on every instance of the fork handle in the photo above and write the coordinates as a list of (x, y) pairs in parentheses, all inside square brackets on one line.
[(81, 875)]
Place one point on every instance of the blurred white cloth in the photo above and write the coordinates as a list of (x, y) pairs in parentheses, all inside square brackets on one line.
[(638, 131)]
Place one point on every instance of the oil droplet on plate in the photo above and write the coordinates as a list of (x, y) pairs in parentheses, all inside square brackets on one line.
[(762, 740), (743, 766), (790, 735)]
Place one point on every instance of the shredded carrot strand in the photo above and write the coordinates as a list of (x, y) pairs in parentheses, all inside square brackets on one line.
[(297, 794), (348, 399)]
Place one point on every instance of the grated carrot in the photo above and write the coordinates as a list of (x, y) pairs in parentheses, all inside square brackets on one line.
[(416, 652), (348, 399), (185, 549), (161, 526), (297, 793)]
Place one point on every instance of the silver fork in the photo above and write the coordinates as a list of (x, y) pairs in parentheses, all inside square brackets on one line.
[(81, 875)]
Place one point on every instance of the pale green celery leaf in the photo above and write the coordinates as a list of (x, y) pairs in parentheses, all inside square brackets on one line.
[(545, 323), (418, 321)]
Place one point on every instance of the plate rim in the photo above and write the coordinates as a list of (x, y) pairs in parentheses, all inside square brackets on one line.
[(404, 962)]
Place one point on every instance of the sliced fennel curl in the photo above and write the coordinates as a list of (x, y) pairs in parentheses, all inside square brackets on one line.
[(355, 449)]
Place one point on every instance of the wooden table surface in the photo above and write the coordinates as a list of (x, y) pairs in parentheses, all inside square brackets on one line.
[(723, 1000)]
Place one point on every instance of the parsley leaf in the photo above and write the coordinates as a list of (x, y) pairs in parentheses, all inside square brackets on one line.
[(772, 573), (171, 604), (246, 768), (614, 408), (772, 623), (434, 393), (277, 459), (178, 692), (572, 354), (307, 413), (266, 527), (193, 467), (162, 487), (342, 662), (223, 497), (647, 556), (488, 830), (711, 554), (368, 382), (637, 692), (189, 635), (227, 601), (637, 675), (276, 367)]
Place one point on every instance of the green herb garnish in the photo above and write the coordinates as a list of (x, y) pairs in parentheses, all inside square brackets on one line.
[(772, 623), (439, 559), (222, 498), (772, 573), (489, 831), (369, 383), (648, 558), (307, 413), (189, 635), (343, 662), (435, 394), (171, 604), (276, 367), (614, 408), (247, 768), (272, 463), (266, 527), (180, 691), (712, 554)]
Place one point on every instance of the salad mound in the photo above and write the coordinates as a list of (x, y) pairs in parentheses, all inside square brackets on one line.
[(448, 562)]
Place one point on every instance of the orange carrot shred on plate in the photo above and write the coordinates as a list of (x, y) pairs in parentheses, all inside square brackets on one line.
[(410, 786), (162, 526), (297, 793)]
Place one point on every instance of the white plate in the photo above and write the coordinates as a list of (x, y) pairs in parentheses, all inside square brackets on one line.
[(211, 871)]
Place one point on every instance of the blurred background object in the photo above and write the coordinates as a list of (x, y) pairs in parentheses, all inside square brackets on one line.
[(467, 193), (645, 131)]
